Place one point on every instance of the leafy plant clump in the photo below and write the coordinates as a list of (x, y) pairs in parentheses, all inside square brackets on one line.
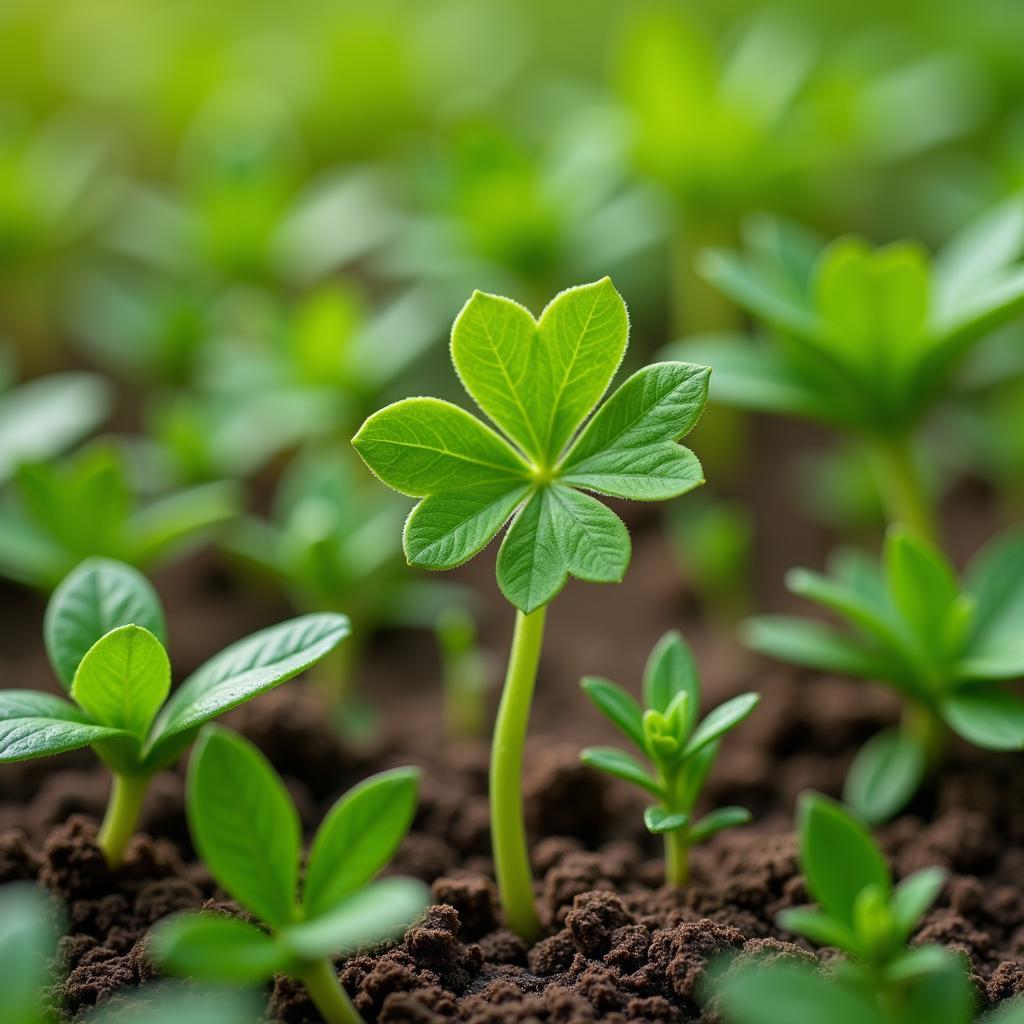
[(948, 649), (680, 749), (247, 832), (538, 381), (106, 638)]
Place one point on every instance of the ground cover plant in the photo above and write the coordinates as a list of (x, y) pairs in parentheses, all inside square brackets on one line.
[(106, 637), (680, 747), (538, 381), (233, 795)]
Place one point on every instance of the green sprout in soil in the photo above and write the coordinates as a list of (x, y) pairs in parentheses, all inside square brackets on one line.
[(948, 649), (106, 639), (466, 673), (681, 750), (246, 829), (538, 381)]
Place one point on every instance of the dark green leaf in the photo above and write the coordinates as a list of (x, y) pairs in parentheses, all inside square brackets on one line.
[(618, 763), (659, 820), (617, 706), (884, 776)]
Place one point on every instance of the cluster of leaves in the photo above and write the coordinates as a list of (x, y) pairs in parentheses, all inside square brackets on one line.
[(105, 636), (680, 748), (863, 339), (57, 513), (538, 380), (947, 650), (247, 832)]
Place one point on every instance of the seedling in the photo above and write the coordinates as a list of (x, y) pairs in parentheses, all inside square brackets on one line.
[(861, 912), (865, 340), (466, 674), (106, 637), (61, 512), (680, 750), (538, 381), (247, 832), (947, 649)]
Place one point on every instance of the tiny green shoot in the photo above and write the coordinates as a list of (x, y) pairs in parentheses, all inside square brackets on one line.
[(538, 380), (106, 638), (680, 749), (247, 832), (948, 648), (466, 674)]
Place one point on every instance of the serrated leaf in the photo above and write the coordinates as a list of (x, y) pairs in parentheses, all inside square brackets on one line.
[(671, 670), (358, 837), (95, 598), (558, 533), (620, 764), (725, 717), (884, 775), (124, 679), (423, 446), (617, 706), (246, 668), (367, 917), (987, 717), (717, 821), (244, 825), (214, 947), (658, 820), (628, 449)]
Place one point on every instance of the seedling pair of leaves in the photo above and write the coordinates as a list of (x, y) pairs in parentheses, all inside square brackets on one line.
[(948, 649), (680, 748), (106, 638), (247, 832), (61, 512), (538, 381)]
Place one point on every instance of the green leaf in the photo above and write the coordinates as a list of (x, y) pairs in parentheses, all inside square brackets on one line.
[(244, 824), (539, 380), (725, 717), (445, 530), (717, 821), (942, 994), (617, 706), (95, 598), (358, 838), (215, 947), (34, 724), (173, 1004), (912, 898), (628, 449), (660, 820), (28, 943), (242, 671), (558, 533), (987, 717), (124, 679), (836, 881), (671, 670), (620, 764), (819, 928), (812, 645), (921, 583), (995, 579), (884, 776), (423, 446), (364, 919), (171, 524)]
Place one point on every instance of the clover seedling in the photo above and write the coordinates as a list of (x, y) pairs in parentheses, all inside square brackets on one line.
[(62, 512), (538, 381), (106, 637), (860, 911), (246, 829), (948, 650), (681, 750)]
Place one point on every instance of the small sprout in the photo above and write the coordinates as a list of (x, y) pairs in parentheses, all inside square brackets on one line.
[(860, 912), (947, 649), (681, 750), (247, 832), (106, 637), (28, 944), (466, 674), (538, 380)]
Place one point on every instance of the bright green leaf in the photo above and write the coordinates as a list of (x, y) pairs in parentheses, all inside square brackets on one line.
[(617, 706), (884, 776), (28, 942), (812, 645), (717, 821), (659, 820), (921, 583), (620, 764), (913, 897), (819, 927), (987, 717), (725, 717), (671, 670)]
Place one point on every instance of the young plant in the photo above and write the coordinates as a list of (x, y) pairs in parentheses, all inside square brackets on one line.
[(538, 381), (948, 649), (106, 637), (860, 912), (247, 832), (865, 340), (466, 674), (681, 750), (59, 513)]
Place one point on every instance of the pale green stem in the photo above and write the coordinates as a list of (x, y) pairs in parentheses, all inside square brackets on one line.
[(927, 730), (508, 828), (677, 859), (904, 494), (122, 818), (324, 988)]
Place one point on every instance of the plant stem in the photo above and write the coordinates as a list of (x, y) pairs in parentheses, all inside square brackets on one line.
[(677, 859), (926, 729), (324, 988), (122, 817), (508, 829), (904, 494)]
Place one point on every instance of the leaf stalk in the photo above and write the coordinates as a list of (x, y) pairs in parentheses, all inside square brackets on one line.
[(122, 816), (328, 995)]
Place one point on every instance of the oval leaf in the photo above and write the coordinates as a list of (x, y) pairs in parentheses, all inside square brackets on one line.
[(658, 820), (671, 670), (618, 763), (884, 776), (988, 717), (725, 717), (34, 724), (617, 706)]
